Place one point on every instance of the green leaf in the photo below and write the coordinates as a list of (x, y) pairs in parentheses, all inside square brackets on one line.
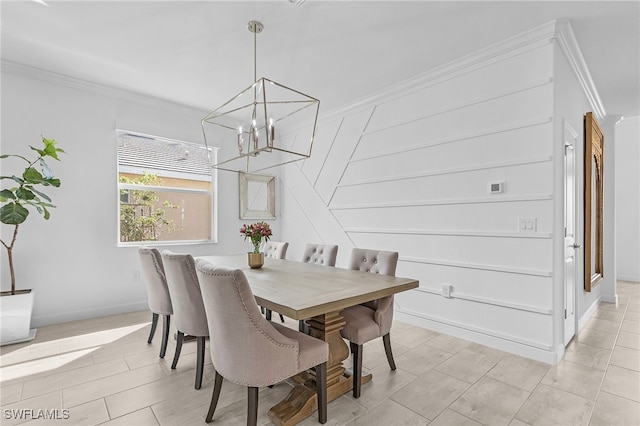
[(43, 195), (13, 214), (31, 175), (17, 179), (47, 215), (25, 194), (7, 194)]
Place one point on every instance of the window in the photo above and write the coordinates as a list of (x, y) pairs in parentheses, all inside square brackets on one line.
[(165, 190)]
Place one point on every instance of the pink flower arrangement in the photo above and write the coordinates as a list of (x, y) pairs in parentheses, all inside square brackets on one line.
[(257, 232)]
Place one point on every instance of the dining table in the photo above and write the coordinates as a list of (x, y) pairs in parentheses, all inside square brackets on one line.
[(316, 294)]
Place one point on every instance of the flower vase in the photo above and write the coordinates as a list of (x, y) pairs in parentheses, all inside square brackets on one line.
[(255, 260)]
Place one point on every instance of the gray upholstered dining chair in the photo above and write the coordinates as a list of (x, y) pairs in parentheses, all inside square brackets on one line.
[(188, 308), (157, 292), (319, 254), (275, 250), (373, 319), (248, 350)]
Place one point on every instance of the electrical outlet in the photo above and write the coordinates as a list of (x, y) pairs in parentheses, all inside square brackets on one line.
[(446, 290), (527, 224), (135, 274)]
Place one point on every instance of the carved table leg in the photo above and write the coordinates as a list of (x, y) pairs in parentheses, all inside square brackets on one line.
[(301, 401)]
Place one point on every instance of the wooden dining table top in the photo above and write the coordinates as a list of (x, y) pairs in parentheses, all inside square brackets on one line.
[(303, 290)]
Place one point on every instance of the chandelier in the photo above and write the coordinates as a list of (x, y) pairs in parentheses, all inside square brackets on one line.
[(264, 126)]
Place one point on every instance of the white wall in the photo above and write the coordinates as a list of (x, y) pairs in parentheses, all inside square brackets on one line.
[(72, 261), (627, 174), (408, 170)]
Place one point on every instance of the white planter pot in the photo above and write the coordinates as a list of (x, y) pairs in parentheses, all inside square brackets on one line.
[(15, 313)]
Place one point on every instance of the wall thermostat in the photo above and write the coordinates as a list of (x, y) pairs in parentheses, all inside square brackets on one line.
[(496, 187)]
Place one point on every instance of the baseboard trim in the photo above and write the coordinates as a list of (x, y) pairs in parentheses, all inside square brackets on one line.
[(632, 278), (39, 321), (551, 356)]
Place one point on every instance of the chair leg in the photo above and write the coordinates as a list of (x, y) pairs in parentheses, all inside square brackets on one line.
[(386, 340), (268, 315), (154, 324), (217, 385), (321, 389), (281, 318), (166, 321), (357, 369), (199, 360), (252, 407), (179, 340)]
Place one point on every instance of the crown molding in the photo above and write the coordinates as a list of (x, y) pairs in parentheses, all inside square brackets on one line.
[(569, 47), (28, 71)]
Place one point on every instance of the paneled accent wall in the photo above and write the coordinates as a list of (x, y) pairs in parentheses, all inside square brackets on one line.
[(410, 171)]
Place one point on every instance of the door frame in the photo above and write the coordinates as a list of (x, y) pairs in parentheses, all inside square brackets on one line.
[(570, 138)]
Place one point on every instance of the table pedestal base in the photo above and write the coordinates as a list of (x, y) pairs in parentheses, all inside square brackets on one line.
[(302, 401)]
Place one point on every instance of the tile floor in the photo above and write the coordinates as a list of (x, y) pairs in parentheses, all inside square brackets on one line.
[(102, 371)]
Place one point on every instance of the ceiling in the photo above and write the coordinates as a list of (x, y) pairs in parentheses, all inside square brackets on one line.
[(200, 53)]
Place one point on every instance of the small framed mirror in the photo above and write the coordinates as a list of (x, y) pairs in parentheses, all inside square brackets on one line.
[(257, 196)]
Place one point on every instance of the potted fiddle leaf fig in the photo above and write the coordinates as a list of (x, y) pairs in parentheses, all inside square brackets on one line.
[(16, 200)]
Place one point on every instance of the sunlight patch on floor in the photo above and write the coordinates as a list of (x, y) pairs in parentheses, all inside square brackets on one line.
[(39, 357)]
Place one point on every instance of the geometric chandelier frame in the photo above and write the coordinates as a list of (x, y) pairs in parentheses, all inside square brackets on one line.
[(266, 125)]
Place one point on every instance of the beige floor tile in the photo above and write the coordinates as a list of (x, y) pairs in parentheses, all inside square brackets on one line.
[(630, 326), (236, 413), (70, 378), (339, 412), (523, 373), (413, 337), (603, 325), (632, 316), (389, 413), (587, 355), (626, 358), (448, 343), (490, 402), (91, 413), (633, 306), (173, 410), (451, 418), (574, 378), (10, 393), (373, 354), (628, 340), (430, 394), (142, 417), (468, 365), (612, 307), (614, 410), (548, 406), (600, 339), (136, 398), (16, 414), (384, 384), (610, 315), (46, 365), (100, 388), (421, 359), (622, 382)]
